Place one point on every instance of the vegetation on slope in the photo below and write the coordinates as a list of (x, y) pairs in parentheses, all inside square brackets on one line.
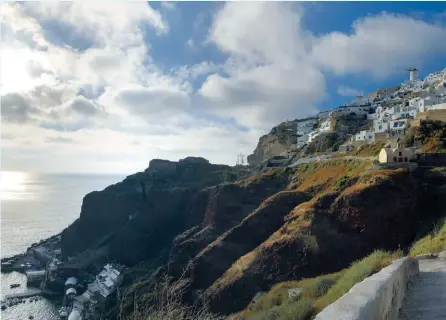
[(432, 135), (434, 242), (317, 293), (324, 176)]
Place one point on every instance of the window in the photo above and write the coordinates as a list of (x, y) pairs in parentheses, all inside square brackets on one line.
[(380, 127), (405, 159), (400, 159), (394, 159), (400, 154), (370, 137)]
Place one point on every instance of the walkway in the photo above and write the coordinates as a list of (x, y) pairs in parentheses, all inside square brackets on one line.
[(26, 294), (426, 296)]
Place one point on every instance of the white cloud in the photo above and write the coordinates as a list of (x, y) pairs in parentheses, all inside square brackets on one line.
[(268, 78), (380, 45), (84, 87), (168, 5), (349, 92)]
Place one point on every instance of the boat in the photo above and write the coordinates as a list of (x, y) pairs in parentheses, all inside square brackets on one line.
[(14, 285)]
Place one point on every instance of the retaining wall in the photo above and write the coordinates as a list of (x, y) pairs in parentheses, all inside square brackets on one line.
[(378, 297)]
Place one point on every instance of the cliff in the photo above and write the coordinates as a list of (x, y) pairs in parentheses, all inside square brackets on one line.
[(281, 139), (229, 234), (154, 205)]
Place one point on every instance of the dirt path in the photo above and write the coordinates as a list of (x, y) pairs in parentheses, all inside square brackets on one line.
[(426, 296)]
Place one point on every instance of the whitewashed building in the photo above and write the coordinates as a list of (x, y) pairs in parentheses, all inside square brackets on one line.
[(380, 125), (108, 279), (401, 112), (398, 127), (367, 136)]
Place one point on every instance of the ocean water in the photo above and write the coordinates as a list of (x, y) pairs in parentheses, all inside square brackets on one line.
[(35, 207)]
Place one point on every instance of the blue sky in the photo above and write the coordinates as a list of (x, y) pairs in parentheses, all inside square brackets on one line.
[(95, 87)]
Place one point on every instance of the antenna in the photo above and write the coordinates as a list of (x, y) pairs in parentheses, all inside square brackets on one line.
[(240, 159)]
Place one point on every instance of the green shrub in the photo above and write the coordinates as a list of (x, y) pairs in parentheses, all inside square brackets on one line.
[(301, 309), (323, 285), (341, 183)]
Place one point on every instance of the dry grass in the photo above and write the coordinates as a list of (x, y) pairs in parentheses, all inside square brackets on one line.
[(164, 302), (323, 176), (435, 241), (369, 150), (235, 271), (317, 292), (271, 173)]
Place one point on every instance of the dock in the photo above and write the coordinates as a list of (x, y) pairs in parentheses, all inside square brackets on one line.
[(27, 294)]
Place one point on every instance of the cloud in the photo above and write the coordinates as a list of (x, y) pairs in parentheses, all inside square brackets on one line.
[(349, 92), (83, 106), (16, 108), (267, 69), (59, 139), (380, 45), (168, 5), (95, 90)]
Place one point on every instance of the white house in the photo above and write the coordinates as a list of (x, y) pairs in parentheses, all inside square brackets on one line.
[(398, 127), (380, 125), (358, 111), (401, 112), (365, 135)]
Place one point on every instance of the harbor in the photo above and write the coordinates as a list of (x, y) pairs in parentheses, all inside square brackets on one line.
[(80, 294)]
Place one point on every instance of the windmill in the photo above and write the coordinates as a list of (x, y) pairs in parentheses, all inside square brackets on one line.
[(413, 74)]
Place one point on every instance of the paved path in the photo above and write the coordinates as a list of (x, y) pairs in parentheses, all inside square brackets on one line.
[(426, 296)]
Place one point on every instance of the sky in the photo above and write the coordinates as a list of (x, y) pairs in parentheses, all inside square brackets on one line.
[(106, 87)]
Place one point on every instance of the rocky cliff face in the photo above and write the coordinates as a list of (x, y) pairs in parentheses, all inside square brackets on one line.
[(281, 138), (122, 217)]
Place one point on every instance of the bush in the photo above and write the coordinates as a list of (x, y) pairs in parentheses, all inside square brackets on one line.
[(323, 285), (301, 309), (340, 183)]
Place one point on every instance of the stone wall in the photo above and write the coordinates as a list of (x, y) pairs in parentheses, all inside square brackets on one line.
[(432, 115), (378, 297)]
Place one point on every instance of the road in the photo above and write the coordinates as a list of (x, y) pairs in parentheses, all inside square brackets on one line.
[(426, 296)]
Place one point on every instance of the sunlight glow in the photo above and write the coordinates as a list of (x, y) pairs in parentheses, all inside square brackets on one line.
[(12, 184), (14, 75)]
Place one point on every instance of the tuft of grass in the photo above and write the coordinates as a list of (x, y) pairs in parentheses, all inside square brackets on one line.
[(357, 272), (435, 241)]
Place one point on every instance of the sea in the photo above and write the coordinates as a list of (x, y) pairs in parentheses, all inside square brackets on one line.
[(34, 207)]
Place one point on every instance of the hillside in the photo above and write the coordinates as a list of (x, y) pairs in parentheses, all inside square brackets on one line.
[(216, 237), (227, 241)]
